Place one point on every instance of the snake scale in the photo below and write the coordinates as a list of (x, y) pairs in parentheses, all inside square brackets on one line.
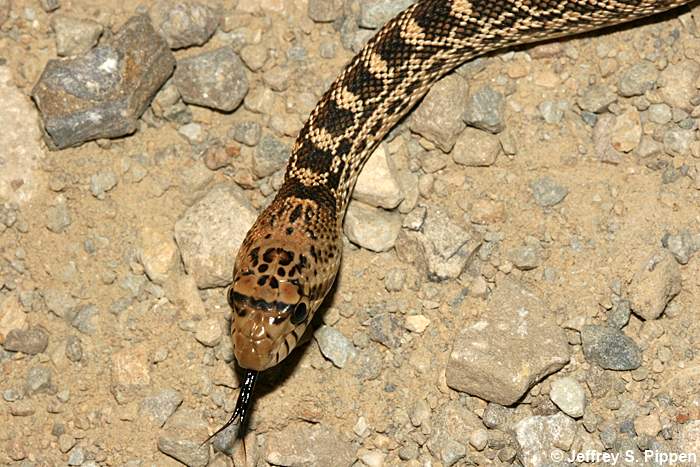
[(289, 258)]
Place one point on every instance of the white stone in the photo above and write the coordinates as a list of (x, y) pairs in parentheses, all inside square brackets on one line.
[(377, 184), (371, 228), (569, 396)]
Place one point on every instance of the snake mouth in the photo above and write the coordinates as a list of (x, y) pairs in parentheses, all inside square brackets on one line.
[(254, 354)]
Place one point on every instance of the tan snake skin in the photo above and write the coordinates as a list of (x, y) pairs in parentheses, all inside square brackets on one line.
[(290, 257)]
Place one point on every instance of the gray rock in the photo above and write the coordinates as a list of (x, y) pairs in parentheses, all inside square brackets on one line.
[(194, 133), (597, 98), (620, 314), (394, 280), (302, 443), (103, 93), (485, 109), (539, 437), (75, 36), (189, 452), (58, 302), (31, 341), (677, 141), (325, 11), (102, 182), (415, 219), (476, 148), (553, 111), (512, 347), (215, 79), (656, 282), (255, 56), (525, 257), (168, 105), (371, 228), (569, 396), (386, 330), (446, 236), (38, 380), (76, 456), (159, 407), (443, 250), (334, 345), (680, 245), (437, 118), (638, 79), (74, 349), (374, 13), (659, 113), (86, 319), (247, 132), (497, 416), (210, 232), (184, 23), (58, 217), (609, 348), (270, 156), (547, 192)]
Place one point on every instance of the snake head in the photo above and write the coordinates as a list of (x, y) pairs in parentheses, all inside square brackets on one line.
[(280, 279)]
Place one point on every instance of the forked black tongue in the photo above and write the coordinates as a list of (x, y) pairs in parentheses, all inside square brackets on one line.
[(243, 404)]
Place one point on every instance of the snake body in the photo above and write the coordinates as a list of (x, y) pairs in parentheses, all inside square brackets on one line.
[(289, 258)]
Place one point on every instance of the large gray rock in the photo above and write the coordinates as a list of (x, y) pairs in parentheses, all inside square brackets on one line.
[(215, 79), (103, 93), (210, 232), (513, 346)]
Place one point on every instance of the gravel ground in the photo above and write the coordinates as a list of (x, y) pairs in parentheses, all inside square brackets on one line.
[(520, 277)]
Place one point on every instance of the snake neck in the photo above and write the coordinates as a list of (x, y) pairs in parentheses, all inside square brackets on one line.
[(400, 63)]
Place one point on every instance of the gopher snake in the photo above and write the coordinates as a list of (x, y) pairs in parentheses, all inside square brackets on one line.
[(290, 257)]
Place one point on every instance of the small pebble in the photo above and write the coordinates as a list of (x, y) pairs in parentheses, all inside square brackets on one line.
[(417, 323), (334, 345), (547, 192), (102, 182), (569, 396)]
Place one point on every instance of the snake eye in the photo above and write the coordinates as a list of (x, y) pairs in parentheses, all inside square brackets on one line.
[(299, 314), (229, 297)]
